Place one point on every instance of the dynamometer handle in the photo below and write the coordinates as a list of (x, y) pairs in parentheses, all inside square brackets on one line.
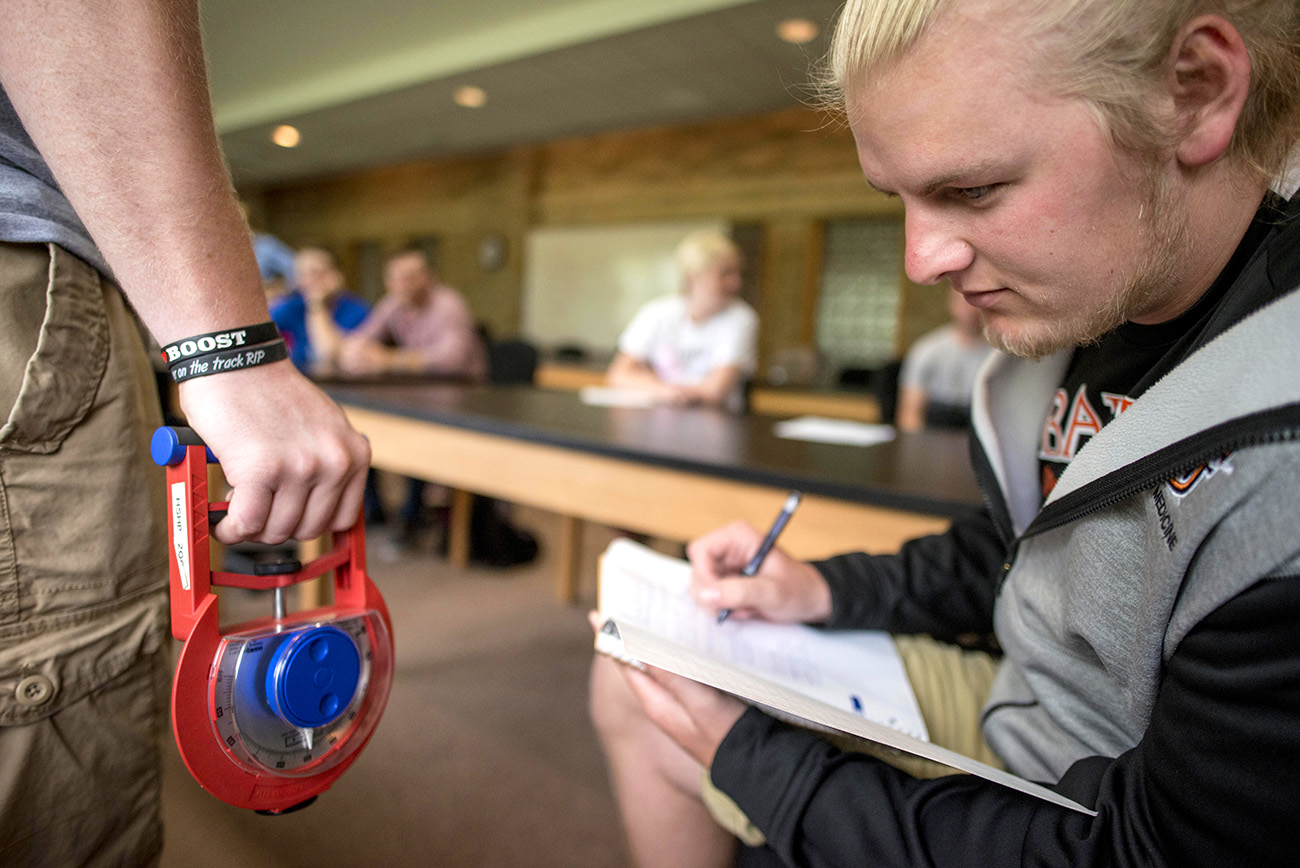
[(182, 452), (186, 458)]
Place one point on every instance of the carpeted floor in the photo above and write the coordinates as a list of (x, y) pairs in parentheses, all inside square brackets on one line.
[(485, 757)]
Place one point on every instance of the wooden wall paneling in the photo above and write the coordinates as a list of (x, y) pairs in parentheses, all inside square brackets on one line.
[(253, 202), (366, 277), (460, 201), (748, 236), (790, 162), (786, 171), (789, 258), (500, 297), (920, 309), (814, 261)]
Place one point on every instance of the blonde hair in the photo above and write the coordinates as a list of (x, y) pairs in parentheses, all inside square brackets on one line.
[(1111, 53), (698, 250)]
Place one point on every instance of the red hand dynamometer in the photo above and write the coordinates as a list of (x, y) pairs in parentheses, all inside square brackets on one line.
[(268, 713)]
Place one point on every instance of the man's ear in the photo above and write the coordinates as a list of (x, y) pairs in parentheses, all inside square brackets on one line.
[(1208, 79)]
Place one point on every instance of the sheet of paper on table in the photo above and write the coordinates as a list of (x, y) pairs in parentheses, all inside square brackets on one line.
[(606, 396), (818, 429)]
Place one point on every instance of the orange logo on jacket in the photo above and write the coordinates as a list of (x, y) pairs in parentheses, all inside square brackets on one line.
[(1070, 424), (1181, 486)]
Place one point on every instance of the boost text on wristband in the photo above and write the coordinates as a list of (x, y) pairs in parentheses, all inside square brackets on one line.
[(229, 360), (178, 352)]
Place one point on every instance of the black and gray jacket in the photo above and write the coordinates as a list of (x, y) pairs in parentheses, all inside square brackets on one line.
[(1150, 615)]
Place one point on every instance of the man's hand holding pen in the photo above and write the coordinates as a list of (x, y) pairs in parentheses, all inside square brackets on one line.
[(779, 588), (782, 590)]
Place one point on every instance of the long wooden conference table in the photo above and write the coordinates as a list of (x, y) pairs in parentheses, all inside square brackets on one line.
[(668, 472)]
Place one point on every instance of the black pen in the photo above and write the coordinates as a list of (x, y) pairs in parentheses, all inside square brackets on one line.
[(768, 541)]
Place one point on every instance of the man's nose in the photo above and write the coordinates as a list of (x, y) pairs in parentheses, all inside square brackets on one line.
[(933, 248)]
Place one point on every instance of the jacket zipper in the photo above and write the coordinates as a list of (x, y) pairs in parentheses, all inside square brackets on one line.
[(1175, 460), (1278, 426)]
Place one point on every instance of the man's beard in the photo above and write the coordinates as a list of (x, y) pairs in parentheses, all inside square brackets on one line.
[(1166, 237)]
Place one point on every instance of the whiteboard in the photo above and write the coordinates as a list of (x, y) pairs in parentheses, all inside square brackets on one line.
[(582, 284)]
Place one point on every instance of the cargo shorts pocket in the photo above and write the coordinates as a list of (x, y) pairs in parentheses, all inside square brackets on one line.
[(62, 376)]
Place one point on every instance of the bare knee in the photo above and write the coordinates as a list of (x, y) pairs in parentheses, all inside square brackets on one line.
[(614, 708)]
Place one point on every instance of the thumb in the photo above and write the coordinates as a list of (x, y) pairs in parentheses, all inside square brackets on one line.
[(246, 516)]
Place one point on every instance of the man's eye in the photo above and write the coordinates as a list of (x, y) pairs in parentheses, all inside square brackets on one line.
[(974, 194)]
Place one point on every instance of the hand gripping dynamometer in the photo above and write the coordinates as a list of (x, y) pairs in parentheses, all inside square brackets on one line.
[(268, 713)]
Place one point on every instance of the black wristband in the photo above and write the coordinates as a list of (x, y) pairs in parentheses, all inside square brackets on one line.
[(229, 360), (177, 352)]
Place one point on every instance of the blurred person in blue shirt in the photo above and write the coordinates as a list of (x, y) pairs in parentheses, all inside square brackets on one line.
[(317, 313)]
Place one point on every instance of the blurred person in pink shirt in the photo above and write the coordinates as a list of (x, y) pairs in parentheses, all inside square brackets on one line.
[(421, 326)]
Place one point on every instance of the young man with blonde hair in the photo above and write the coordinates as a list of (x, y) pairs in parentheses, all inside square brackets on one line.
[(1094, 177)]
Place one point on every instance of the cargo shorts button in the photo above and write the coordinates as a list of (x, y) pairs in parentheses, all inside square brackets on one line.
[(35, 690)]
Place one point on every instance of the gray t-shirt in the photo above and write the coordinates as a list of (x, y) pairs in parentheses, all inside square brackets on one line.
[(32, 207), (944, 366)]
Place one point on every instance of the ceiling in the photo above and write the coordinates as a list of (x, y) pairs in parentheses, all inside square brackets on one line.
[(371, 84)]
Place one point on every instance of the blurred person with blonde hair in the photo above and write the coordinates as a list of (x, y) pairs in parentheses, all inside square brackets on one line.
[(697, 346)]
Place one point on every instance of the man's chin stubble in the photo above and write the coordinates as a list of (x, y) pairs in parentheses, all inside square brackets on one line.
[(1167, 237), (1052, 336)]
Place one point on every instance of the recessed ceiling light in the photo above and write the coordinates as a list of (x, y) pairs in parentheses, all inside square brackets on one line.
[(286, 136), (470, 97), (797, 31)]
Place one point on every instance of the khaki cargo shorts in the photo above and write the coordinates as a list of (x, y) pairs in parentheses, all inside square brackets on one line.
[(83, 617), (951, 686)]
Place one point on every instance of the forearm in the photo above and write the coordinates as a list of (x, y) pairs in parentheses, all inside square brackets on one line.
[(911, 409), (717, 387), (625, 372), (326, 338), (943, 585), (452, 355), (113, 93), (820, 807), (395, 360), (1210, 783)]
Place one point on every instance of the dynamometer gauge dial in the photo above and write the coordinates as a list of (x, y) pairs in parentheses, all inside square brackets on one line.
[(287, 701)]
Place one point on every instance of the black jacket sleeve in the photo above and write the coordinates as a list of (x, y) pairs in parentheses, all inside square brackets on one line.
[(1214, 781), (942, 585)]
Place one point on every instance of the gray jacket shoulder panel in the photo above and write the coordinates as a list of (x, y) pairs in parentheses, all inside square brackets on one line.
[(1251, 533)]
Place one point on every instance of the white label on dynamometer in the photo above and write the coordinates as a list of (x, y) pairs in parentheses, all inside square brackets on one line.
[(181, 532)]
